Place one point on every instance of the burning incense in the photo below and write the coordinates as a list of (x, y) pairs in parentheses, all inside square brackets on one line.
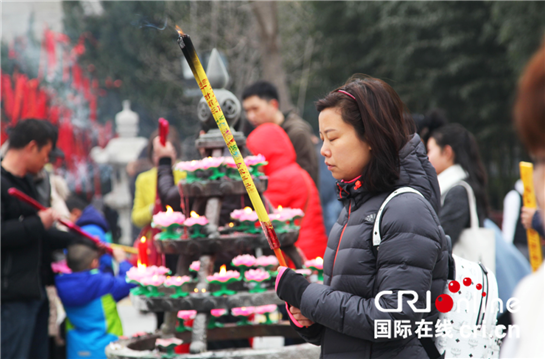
[(202, 80)]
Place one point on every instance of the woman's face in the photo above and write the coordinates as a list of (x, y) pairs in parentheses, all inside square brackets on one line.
[(346, 155), (440, 158)]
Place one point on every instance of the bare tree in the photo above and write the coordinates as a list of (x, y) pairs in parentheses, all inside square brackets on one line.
[(266, 13)]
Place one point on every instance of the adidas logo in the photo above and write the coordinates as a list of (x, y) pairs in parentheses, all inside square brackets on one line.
[(370, 218)]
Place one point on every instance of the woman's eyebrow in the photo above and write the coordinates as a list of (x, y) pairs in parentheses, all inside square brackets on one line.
[(328, 130)]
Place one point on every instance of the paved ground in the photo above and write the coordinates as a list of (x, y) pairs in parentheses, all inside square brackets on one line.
[(134, 321)]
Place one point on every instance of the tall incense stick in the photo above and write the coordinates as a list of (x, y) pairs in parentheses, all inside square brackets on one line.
[(529, 200), (202, 80)]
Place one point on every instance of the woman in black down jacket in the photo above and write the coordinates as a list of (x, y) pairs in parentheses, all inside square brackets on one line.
[(371, 150)]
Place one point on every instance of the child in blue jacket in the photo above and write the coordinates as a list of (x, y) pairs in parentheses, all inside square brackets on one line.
[(89, 297)]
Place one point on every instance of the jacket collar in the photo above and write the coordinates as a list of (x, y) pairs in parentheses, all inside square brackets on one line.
[(349, 189), (450, 177)]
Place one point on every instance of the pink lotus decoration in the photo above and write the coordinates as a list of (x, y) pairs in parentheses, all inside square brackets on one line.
[(211, 162), (187, 314), (223, 276), (245, 260), (218, 312), (168, 218), (158, 270), (153, 281), (257, 275), (303, 271), (317, 264), (266, 261), (230, 162), (189, 166), (255, 160), (246, 214), (199, 220), (265, 309), (195, 266), (243, 311), (176, 281), (137, 274)]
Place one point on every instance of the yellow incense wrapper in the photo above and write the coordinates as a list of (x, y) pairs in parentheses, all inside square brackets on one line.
[(529, 201)]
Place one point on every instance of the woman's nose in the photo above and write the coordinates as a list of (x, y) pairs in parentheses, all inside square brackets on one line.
[(324, 150)]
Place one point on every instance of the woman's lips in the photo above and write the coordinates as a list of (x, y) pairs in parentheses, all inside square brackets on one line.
[(329, 167)]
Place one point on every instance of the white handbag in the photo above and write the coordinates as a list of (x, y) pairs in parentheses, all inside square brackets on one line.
[(475, 243)]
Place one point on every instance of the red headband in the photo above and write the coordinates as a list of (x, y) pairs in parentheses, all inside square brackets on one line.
[(346, 93)]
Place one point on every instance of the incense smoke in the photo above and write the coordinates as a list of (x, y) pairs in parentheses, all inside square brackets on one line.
[(142, 22)]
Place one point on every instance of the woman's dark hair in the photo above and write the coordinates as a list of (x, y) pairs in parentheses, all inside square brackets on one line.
[(379, 117), (173, 137), (467, 155)]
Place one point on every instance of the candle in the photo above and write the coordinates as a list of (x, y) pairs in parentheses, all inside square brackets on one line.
[(317, 264), (169, 345), (211, 162), (143, 251), (265, 309), (266, 261), (185, 317), (243, 313), (152, 282), (195, 266), (257, 276), (223, 275), (187, 314), (258, 160), (218, 312), (245, 260), (177, 283), (166, 219), (223, 278), (195, 219)]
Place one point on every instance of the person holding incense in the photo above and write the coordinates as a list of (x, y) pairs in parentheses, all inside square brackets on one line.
[(261, 104), (290, 186), (529, 118), (28, 238), (371, 149)]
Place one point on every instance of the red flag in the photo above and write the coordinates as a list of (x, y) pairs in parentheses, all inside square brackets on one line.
[(50, 46), (20, 87), (76, 76), (8, 98)]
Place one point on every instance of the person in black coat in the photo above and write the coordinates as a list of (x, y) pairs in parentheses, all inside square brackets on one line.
[(371, 150), (27, 241)]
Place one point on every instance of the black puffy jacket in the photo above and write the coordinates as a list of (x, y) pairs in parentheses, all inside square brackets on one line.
[(413, 255)]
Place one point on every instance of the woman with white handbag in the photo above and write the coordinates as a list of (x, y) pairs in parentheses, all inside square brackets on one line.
[(454, 153)]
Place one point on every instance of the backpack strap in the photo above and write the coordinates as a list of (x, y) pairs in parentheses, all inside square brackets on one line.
[(376, 228), (427, 343)]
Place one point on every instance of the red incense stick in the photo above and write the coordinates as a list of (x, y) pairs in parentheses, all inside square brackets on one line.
[(31, 201)]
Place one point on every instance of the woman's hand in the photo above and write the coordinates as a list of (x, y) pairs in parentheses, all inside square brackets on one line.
[(296, 314), (160, 151), (526, 216), (290, 286)]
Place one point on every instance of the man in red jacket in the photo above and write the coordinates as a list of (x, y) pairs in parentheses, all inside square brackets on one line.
[(290, 185)]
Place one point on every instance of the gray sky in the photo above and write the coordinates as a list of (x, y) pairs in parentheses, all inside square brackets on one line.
[(15, 16)]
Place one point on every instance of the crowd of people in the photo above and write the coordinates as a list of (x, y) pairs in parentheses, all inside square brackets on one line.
[(370, 146)]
